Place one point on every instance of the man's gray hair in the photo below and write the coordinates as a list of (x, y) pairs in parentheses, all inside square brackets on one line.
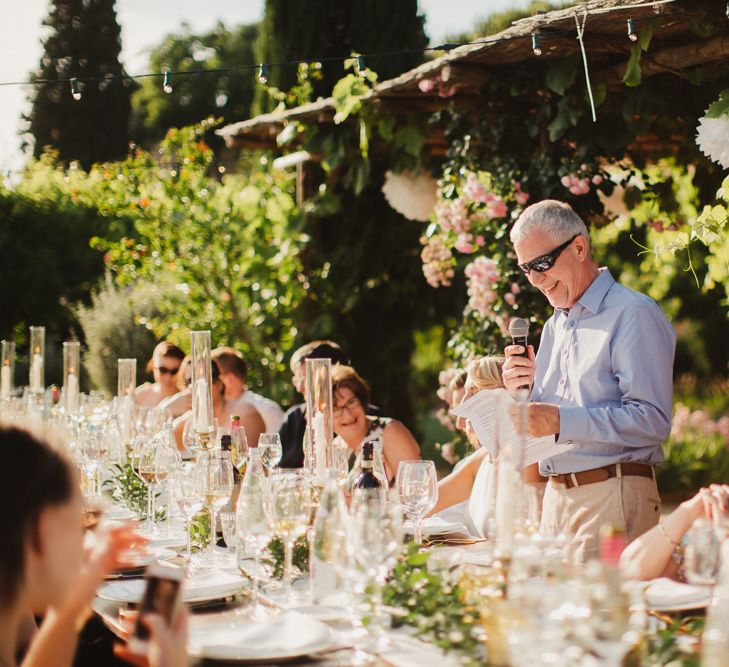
[(554, 217)]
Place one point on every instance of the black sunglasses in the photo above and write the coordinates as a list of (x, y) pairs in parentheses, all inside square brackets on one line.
[(168, 371), (545, 262)]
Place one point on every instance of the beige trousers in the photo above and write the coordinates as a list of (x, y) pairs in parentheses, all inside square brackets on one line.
[(581, 511)]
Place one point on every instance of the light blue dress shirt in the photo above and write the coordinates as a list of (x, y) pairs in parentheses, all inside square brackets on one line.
[(608, 364)]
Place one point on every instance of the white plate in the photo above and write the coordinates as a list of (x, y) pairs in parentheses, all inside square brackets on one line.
[(164, 542), (201, 588), (287, 637), (667, 595), (142, 560), (435, 525)]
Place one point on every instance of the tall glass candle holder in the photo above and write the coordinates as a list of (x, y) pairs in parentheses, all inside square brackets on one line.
[(201, 386), (319, 415), (126, 384), (36, 360), (71, 375), (7, 369)]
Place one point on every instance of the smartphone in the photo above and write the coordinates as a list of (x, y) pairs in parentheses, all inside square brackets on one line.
[(162, 596)]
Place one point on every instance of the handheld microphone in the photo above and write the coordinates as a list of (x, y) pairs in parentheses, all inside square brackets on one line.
[(519, 329)]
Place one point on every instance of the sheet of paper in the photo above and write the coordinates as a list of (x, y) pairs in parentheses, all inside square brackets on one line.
[(484, 409)]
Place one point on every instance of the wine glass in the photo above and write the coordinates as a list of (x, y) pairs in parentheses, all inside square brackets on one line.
[(375, 538), (218, 485), (145, 469), (167, 460), (417, 485), (189, 492), (702, 553), (228, 526), (269, 444), (254, 534), (290, 510)]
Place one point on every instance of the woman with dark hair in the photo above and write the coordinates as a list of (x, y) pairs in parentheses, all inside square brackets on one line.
[(164, 366), (44, 569), (351, 395)]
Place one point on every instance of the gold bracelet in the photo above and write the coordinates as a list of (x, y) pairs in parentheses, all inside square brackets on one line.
[(665, 534)]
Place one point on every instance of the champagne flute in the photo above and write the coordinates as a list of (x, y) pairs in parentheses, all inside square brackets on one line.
[(218, 476), (188, 496), (375, 538), (290, 510), (417, 485), (254, 534), (269, 444)]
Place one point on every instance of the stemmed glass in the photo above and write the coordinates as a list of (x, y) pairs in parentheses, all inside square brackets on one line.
[(290, 510), (269, 444), (254, 534), (188, 496), (702, 553), (375, 538), (167, 460), (218, 479), (91, 451), (417, 484), (146, 471)]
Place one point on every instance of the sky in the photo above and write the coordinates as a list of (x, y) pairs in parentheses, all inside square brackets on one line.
[(145, 22)]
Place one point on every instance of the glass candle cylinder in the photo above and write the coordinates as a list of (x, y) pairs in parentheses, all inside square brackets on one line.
[(319, 414), (7, 369), (36, 359), (201, 385), (126, 384), (71, 375)]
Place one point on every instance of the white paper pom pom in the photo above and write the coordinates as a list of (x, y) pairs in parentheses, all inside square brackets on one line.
[(411, 196), (712, 137)]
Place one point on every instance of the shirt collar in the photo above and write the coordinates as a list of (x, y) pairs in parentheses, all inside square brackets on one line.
[(594, 294)]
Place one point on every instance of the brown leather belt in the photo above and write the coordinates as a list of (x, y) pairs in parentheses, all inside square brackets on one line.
[(571, 480)]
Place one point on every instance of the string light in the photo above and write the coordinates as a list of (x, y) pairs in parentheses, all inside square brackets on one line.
[(632, 35), (75, 92), (361, 67), (263, 73), (167, 83), (536, 43), (727, 9)]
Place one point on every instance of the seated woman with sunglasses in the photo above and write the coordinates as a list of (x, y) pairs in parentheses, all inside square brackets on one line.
[(179, 403), (164, 366), (354, 427)]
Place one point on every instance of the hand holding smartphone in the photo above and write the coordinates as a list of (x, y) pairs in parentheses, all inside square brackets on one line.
[(162, 597)]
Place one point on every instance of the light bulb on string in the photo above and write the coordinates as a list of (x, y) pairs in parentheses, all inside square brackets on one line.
[(727, 9), (361, 67), (632, 35), (263, 73), (75, 92), (167, 83), (536, 43)]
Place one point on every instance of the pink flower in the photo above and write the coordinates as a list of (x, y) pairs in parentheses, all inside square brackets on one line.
[(515, 289), (566, 181), (521, 197), (510, 298), (464, 244), (475, 190), (426, 85), (497, 209), (480, 240), (597, 179)]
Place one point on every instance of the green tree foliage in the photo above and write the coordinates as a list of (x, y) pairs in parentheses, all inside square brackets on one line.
[(84, 41), (330, 28), (194, 98), (495, 23)]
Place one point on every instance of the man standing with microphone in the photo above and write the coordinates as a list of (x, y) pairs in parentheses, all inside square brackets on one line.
[(601, 381)]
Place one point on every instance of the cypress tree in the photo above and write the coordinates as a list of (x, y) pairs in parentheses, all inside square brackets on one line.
[(332, 28), (84, 41)]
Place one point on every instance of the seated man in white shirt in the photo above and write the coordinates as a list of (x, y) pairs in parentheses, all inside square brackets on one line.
[(234, 375)]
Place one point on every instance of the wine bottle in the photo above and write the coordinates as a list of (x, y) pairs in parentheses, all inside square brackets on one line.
[(367, 485), (328, 542), (225, 453)]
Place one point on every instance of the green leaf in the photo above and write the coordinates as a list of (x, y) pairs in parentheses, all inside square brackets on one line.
[(386, 127), (410, 138), (566, 117), (632, 74), (645, 36), (561, 76), (720, 107)]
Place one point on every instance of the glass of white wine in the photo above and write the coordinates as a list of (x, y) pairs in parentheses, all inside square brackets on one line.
[(217, 475), (289, 514), (269, 445), (417, 484)]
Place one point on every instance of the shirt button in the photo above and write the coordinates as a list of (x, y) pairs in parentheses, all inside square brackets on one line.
[(561, 382), (573, 324), (549, 467)]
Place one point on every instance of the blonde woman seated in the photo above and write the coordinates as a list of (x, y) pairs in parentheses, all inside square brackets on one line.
[(473, 481), (164, 366), (250, 419), (354, 427), (659, 552)]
